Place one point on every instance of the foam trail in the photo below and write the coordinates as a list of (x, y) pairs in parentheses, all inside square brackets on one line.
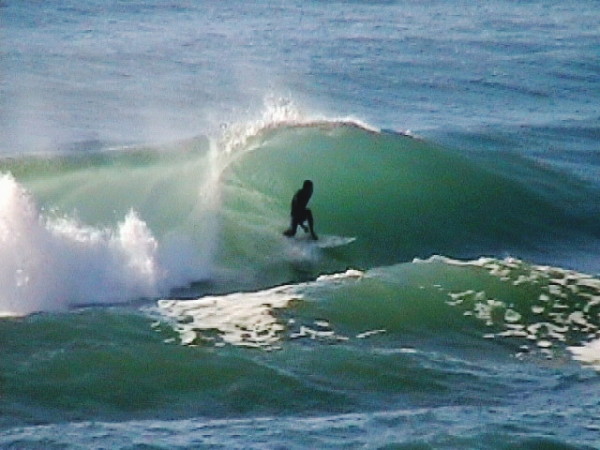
[(49, 264)]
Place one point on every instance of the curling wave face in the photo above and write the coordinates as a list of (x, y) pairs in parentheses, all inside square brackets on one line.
[(401, 197), (214, 211)]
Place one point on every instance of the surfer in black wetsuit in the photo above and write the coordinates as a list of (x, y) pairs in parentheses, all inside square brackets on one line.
[(300, 213)]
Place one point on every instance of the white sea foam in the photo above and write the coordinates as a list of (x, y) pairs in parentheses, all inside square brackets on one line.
[(564, 306), (51, 263), (245, 318), (588, 353)]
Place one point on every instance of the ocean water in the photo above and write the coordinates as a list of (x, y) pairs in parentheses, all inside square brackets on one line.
[(148, 154)]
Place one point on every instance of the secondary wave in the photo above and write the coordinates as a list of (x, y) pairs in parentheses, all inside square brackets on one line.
[(539, 311)]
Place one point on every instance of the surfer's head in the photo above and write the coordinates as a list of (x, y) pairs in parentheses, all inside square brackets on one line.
[(307, 186)]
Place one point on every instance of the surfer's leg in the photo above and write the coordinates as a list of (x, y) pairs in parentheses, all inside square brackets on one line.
[(311, 224), (291, 231), (303, 218)]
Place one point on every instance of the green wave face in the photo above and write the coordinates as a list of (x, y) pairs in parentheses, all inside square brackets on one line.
[(217, 211), (401, 197)]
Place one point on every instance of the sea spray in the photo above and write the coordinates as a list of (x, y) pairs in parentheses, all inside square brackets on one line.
[(51, 263), (235, 140)]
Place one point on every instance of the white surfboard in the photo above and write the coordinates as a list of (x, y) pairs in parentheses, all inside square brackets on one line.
[(325, 241)]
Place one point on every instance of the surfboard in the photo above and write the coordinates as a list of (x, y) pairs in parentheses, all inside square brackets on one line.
[(325, 241), (330, 241)]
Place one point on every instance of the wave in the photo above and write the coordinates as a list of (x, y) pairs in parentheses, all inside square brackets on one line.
[(350, 340), (537, 311), (400, 197), (119, 225)]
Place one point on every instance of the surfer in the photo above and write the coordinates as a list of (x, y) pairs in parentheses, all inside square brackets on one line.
[(300, 213)]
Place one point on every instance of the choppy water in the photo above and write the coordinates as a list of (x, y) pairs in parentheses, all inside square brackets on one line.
[(150, 151)]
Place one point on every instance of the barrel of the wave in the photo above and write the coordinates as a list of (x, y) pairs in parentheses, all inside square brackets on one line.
[(400, 197)]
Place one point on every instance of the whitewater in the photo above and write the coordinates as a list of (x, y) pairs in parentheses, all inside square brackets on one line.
[(148, 155)]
